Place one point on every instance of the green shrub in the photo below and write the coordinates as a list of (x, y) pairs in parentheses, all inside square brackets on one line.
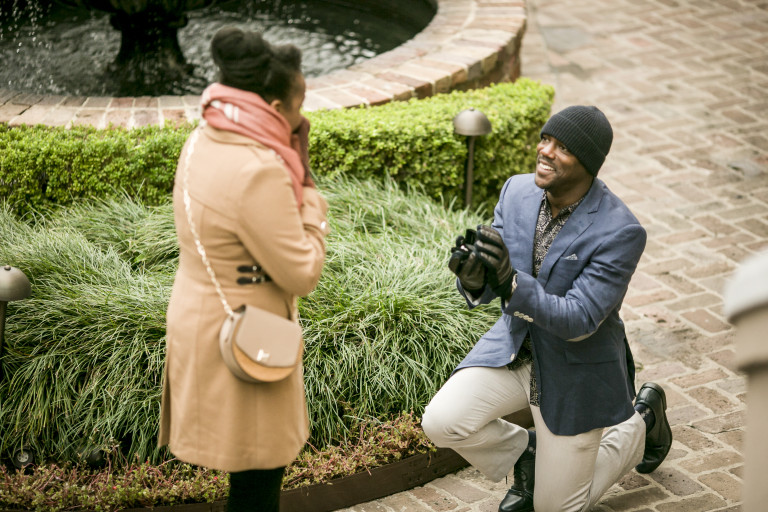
[(42, 165), (85, 352), (412, 142)]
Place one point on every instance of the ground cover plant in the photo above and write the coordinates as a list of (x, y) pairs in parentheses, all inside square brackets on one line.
[(84, 357), (59, 487)]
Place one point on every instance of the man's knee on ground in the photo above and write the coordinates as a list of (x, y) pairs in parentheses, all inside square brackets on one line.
[(440, 428)]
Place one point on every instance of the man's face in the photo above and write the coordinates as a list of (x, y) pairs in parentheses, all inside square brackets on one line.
[(557, 170)]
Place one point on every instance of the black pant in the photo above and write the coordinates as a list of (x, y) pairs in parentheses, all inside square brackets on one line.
[(255, 490)]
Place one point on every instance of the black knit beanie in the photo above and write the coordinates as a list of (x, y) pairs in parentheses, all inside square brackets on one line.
[(586, 133)]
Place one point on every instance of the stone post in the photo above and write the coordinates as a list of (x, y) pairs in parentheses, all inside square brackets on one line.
[(746, 306)]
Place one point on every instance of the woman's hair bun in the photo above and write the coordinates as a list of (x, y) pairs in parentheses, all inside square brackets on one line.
[(235, 51), (247, 61)]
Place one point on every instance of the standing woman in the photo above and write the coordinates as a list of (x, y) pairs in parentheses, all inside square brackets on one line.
[(258, 214)]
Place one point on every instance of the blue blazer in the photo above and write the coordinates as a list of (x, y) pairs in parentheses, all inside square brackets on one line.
[(584, 367)]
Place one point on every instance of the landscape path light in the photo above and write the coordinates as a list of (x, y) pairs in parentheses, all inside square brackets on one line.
[(14, 285), (471, 123)]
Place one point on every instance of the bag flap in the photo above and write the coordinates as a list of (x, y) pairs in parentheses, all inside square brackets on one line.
[(268, 339)]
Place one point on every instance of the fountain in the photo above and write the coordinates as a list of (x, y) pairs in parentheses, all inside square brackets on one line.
[(54, 60), (150, 56), (152, 47)]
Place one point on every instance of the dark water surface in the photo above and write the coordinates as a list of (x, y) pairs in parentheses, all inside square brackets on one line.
[(52, 49)]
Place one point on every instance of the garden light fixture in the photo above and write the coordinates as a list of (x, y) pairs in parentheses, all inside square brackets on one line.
[(470, 123), (14, 285)]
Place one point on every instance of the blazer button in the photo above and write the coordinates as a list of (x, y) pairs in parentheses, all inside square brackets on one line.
[(517, 314)]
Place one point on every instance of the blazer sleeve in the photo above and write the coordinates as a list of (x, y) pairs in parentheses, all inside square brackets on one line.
[(288, 241), (598, 290), (487, 294)]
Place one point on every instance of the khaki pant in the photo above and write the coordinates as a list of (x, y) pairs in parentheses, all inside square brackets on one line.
[(572, 472)]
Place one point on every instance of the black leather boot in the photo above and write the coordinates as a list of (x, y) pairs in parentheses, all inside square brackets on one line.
[(658, 439), (519, 497)]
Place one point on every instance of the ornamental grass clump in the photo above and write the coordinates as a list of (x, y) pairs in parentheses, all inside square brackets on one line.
[(385, 326), (84, 354)]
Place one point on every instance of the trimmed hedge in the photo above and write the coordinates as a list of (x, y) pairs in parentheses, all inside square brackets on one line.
[(42, 166), (413, 142)]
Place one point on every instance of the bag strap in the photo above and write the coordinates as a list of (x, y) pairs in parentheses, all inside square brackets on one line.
[(188, 208), (193, 229)]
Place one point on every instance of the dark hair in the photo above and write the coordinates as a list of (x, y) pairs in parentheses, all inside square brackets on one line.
[(246, 61)]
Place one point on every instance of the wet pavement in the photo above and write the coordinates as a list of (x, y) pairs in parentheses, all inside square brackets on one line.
[(685, 85)]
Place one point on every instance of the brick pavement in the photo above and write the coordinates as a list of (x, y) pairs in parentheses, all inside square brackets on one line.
[(685, 84)]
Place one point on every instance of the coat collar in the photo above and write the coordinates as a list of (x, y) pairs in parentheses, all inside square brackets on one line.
[(227, 137), (581, 218)]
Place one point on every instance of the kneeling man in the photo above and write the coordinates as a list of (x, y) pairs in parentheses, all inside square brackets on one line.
[(559, 254)]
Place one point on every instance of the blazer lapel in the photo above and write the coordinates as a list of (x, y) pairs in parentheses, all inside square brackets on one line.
[(520, 239), (576, 224)]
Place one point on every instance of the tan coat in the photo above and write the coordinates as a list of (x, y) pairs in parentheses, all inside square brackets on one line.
[(244, 208)]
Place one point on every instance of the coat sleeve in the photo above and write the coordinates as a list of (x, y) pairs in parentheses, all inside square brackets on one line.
[(598, 290), (288, 241)]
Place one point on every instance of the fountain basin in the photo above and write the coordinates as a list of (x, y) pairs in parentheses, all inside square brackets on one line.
[(150, 58), (468, 44)]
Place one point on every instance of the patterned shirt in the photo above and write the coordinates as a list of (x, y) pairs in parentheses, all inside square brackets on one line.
[(547, 229)]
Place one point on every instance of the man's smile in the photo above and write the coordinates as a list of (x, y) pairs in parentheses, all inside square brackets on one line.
[(544, 167)]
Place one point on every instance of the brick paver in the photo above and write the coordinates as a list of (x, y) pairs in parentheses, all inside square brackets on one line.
[(685, 85)]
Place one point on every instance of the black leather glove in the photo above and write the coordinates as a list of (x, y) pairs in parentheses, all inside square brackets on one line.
[(466, 265), (493, 254)]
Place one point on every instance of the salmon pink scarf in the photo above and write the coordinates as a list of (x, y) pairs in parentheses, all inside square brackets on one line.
[(246, 113)]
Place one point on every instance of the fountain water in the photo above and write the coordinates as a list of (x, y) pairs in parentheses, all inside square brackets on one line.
[(71, 47), (150, 54)]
